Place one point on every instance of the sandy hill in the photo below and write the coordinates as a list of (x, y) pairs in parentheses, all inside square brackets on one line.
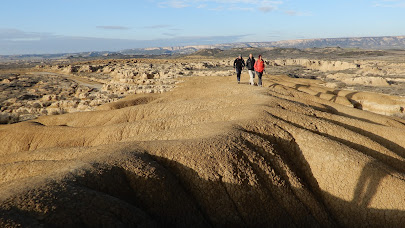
[(209, 153)]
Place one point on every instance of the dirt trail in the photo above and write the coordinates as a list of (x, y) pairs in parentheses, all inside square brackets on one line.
[(210, 153)]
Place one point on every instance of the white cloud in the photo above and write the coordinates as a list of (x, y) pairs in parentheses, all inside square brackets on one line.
[(241, 8), (219, 8), (18, 35), (220, 5), (297, 13), (112, 27), (174, 4), (169, 34), (13, 41), (390, 4), (267, 9), (157, 26)]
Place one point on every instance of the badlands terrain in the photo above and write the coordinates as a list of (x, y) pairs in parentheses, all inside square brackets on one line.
[(177, 142)]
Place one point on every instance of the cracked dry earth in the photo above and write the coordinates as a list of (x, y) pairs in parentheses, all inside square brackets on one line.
[(210, 153)]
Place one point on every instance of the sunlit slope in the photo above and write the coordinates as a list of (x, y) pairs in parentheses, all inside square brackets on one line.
[(209, 153)]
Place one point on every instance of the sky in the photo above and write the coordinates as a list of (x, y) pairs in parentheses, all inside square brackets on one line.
[(55, 26)]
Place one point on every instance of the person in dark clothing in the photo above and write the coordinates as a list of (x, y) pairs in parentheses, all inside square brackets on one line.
[(239, 64), (250, 64)]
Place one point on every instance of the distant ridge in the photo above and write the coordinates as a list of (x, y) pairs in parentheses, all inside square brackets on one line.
[(370, 43), (383, 42)]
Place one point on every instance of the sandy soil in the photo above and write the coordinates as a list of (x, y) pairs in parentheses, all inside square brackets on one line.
[(211, 152)]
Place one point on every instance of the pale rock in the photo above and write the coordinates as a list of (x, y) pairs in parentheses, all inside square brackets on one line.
[(371, 81)]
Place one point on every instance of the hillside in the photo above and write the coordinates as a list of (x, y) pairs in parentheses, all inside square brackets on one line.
[(384, 42), (210, 153)]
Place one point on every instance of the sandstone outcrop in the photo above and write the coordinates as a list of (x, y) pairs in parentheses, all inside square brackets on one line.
[(385, 75), (374, 102), (67, 88), (143, 77), (84, 86), (30, 95), (352, 79)]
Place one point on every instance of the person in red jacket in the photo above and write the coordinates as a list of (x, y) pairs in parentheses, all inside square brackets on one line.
[(259, 68)]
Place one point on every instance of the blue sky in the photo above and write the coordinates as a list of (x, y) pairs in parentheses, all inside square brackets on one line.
[(50, 26)]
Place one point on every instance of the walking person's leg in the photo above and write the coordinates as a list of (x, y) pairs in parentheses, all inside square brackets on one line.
[(252, 75), (238, 72), (259, 75)]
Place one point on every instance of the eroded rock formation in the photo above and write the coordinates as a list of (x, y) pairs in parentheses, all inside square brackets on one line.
[(209, 153)]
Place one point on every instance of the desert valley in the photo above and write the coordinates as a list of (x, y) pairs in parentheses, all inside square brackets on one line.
[(175, 141)]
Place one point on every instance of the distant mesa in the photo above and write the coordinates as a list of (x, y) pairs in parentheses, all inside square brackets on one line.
[(385, 42), (376, 43)]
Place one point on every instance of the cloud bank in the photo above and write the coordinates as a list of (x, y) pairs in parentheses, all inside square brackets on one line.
[(112, 27), (16, 42), (390, 4), (263, 6)]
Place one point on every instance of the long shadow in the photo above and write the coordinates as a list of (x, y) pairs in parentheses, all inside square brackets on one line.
[(297, 86), (367, 185), (327, 109), (388, 160), (349, 96), (366, 188), (390, 145), (336, 112), (291, 154), (16, 217), (144, 190), (355, 103), (174, 196), (372, 173)]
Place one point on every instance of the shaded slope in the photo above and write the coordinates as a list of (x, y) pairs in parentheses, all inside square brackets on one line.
[(210, 153)]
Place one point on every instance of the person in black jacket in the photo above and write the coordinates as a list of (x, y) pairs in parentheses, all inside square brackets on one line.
[(239, 64), (250, 64)]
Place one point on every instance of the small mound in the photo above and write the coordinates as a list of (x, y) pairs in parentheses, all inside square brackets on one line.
[(128, 101), (370, 81)]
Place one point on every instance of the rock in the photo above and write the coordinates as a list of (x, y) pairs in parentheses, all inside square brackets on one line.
[(320, 65), (370, 81), (147, 76), (335, 85), (5, 118), (70, 69)]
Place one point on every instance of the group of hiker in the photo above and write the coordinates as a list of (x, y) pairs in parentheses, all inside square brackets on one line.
[(253, 66)]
